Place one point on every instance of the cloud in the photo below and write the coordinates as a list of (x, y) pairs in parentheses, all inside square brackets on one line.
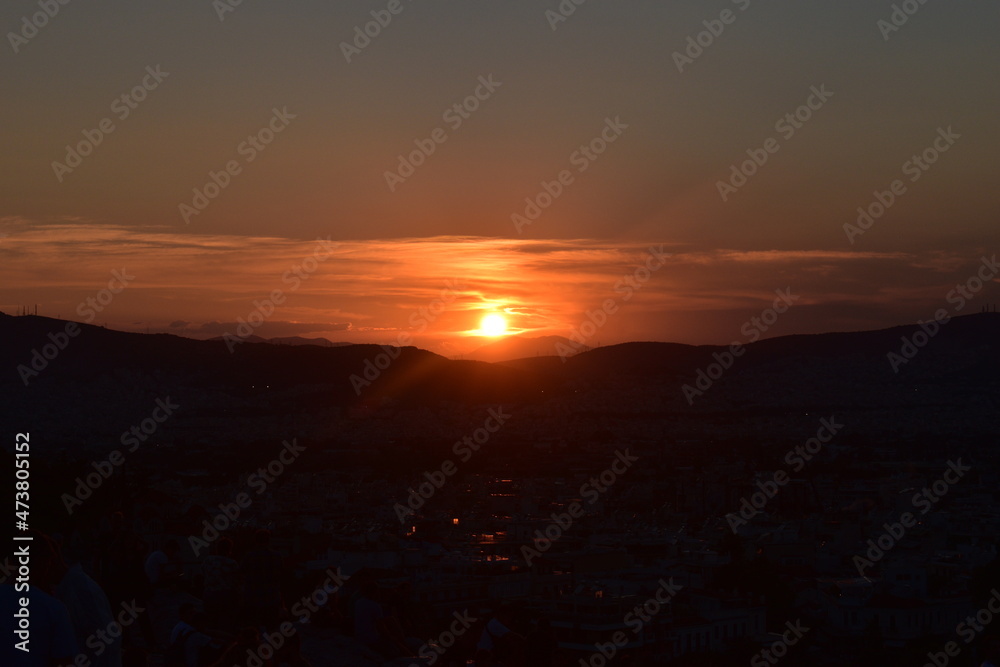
[(437, 288)]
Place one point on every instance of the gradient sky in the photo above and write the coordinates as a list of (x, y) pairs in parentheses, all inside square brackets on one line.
[(323, 175)]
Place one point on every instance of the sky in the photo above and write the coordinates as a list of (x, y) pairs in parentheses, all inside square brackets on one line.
[(248, 132)]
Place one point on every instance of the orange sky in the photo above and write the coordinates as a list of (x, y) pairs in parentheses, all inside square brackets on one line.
[(534, 99), (371, 291)]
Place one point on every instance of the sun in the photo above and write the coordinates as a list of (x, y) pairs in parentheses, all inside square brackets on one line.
[(493, 324)]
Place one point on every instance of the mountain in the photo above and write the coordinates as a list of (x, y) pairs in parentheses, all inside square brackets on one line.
[(252, 338), (299, 340), (288, 340), (522, 347), (899, 384)]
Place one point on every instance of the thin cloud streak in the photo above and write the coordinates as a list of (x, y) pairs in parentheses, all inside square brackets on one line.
[(375, 289)]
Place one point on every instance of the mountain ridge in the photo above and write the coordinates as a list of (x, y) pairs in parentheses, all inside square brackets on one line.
[(103, 379), (511, 348)]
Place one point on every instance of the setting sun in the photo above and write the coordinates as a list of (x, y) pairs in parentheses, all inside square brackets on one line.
[(493, 324)]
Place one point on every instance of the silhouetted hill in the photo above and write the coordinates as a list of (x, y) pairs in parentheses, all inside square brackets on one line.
[(289, 340), (522, 347), (299, 340), (252, 338), (105, 380), (97, 353), (960, 362)]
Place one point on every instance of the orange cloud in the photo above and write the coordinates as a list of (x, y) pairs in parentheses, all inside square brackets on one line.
[(438, 288)]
